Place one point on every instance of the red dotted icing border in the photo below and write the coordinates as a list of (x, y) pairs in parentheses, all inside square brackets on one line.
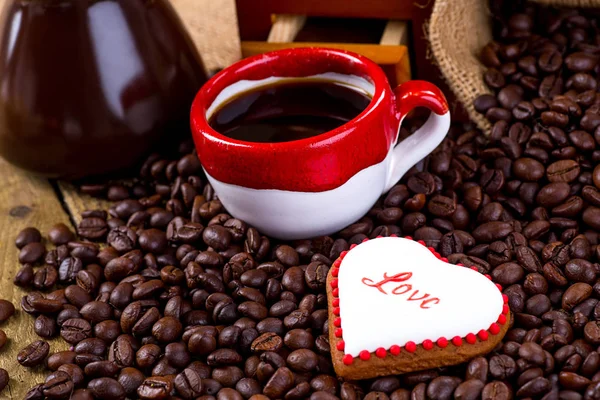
[(410, 347)]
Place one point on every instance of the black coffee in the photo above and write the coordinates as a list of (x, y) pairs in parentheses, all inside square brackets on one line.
[(290, 111)]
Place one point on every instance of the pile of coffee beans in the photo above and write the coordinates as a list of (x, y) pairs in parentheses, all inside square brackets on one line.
[(7, 309), (166, 296)]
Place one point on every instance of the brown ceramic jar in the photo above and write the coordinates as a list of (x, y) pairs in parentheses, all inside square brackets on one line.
[(88, 86)]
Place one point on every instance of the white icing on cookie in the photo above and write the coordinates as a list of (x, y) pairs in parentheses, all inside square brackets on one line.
[(394, 290)]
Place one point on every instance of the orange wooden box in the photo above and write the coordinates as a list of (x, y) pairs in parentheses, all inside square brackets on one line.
[(267, 25)]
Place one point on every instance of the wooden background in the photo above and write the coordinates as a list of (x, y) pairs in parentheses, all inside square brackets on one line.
[(26, 200)]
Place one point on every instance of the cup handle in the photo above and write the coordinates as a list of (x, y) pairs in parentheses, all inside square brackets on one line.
[(417, 146)]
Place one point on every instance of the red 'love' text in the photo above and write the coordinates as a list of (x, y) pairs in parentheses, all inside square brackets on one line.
[(404, 288)]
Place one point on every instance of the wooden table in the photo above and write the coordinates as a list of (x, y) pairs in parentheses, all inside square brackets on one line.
[(26, 200)]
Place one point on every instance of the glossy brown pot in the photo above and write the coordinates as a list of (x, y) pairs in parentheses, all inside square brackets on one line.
[(88, 86)]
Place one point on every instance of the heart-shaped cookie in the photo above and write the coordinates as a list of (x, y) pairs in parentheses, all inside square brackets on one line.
[(396, 306)]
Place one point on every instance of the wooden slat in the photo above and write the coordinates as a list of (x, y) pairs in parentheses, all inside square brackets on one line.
[(76, 202), (286, 27), (25, 200), (395, 33), (255, 20), (255, 23), (402, 69), (378, 53)]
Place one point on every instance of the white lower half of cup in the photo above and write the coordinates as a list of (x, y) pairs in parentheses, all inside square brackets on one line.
[(292, 215)]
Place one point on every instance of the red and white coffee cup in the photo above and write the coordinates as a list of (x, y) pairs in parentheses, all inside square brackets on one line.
[(315, 186)]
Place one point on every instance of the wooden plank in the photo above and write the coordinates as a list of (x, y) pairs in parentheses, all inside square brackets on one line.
[(76, 202), (395, 33), (403, 71), (254, 21), (286, 27), (378, 53), (25, 200)]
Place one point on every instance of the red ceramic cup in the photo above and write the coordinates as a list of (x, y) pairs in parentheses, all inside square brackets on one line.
[(314, 186)]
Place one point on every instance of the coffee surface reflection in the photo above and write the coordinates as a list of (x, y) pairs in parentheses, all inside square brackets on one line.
[(282, 112)]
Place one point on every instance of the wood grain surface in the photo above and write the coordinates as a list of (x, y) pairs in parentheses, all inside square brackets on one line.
[(75, 202), (26, 200)]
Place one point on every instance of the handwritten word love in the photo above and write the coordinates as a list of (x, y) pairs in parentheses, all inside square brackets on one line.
[(404, 288)]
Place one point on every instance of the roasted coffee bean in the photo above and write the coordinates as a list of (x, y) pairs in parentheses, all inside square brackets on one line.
[(469, 390), (7, 310), (119, 268), (442, 387), (315, 275), (100, 369), (491, 231), (60, 234), (188, 384), (478, 369), (148, 355), (563, 171), (45, 277), (217, 237), (575, 294), (91, 346), (96, 311), (75, 330), (268, 341), (24, 277), (498, 114), (130, 379), (502, 367), (58, 386), (60, 358), (533, 353), (35, 393), (106, 388), (31, 253), (26, 236), (223, 357), (508, 273), (177, 355), (248, 387), (494, 79), (156, 387), (302, 360), (45, 327), (591, 332), (524, 110), (122, 239), (152, 240), (33, 354), (496, 390), (74, 372), (227, 376), (528, 169), (92, 228), (85, 251), (580, 270), (550, 61), (279, 383), (107, 330), (121, 352)]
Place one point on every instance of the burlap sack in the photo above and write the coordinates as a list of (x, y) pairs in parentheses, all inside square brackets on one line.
[(213, 27), (458, 30)]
